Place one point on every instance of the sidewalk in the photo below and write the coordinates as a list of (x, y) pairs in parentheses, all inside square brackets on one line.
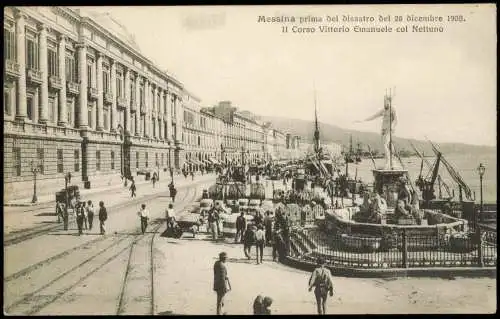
[(19, 218), (50, 198)]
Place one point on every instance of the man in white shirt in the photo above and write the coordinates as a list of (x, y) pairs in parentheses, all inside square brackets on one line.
[(144, 214), (260, 240), (170, 216), (389, 121)]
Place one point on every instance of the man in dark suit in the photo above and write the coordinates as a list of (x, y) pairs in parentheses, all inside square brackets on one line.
[(221, 281)]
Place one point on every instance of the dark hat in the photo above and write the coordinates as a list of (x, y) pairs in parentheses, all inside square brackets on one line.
[(223, 255), (321, 261), (267, 301)]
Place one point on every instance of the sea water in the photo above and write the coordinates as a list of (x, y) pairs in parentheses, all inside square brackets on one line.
[(465, 164)]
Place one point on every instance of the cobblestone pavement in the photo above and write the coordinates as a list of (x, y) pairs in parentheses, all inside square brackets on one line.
[(185, 279)]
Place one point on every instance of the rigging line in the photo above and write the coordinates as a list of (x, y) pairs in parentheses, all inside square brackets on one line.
[(453, 173)]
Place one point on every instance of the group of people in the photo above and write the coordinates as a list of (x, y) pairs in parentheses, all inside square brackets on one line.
[(259, 233), (84, 212), (320, 280)]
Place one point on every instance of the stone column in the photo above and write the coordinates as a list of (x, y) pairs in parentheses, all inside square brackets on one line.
[(44, 88), (168, 116), (113, 118), (178, 126), (138, 106), (100, 92), (62, 75), (21, 110), (161, 105), (83, 120), (147, 117), (154, 107), (126, 114)]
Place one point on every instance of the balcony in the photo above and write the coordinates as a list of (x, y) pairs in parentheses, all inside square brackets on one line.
[(121, 102), (55, 82), (12, 68), (34, 76), (108, 98), (73, 88), (92, 93)]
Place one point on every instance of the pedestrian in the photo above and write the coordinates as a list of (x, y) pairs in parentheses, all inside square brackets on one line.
[(248, 240), (133, 189), (85, 217), (144, 215), (241, 224), (321, 280), (276, 244), (59, 211), (221, 281), (192, 175), (260, 239), (80, 215), (90, 213), (103, 216), (69, 177), (258, 305), (65, 215), (153, 179), (268, 224), (257, 219), (218, 219), (173, 192), (170, 216), (212, 222)]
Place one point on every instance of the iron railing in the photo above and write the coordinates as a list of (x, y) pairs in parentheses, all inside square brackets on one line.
[(406, 249)]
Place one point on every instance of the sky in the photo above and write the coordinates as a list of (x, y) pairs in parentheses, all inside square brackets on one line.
[(444, 82)]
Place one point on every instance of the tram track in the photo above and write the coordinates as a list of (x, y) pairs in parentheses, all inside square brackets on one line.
[(38, 299), (63, 254), (137, 294), (31, 233)]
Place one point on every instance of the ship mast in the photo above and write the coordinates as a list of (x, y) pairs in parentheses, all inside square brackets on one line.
[(316, 126)]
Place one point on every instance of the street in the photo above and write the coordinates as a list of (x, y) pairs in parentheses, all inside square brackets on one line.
[(60, 273)]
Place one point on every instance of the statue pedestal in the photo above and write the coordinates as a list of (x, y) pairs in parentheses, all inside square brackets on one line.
[(387, 184)]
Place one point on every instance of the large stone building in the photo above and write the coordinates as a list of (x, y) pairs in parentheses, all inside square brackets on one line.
[(80, 98), (243, 135)]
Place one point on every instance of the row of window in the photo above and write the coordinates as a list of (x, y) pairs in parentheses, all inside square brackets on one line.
[(32, 62), (40, 163), (146, 160)]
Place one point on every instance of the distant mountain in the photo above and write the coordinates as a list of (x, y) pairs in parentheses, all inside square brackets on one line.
[(332, 133)]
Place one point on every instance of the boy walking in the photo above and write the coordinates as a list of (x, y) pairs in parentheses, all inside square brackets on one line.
[(103, 216), (144, 215)]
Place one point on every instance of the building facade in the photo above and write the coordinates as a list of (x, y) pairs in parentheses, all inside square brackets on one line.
[(80, 98)]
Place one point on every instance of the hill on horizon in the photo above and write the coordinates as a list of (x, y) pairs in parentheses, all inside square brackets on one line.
[(331, 133)]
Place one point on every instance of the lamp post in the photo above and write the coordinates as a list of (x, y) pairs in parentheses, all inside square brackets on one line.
[(66, 207), (122, 152), (35, 169), (481, 169)]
